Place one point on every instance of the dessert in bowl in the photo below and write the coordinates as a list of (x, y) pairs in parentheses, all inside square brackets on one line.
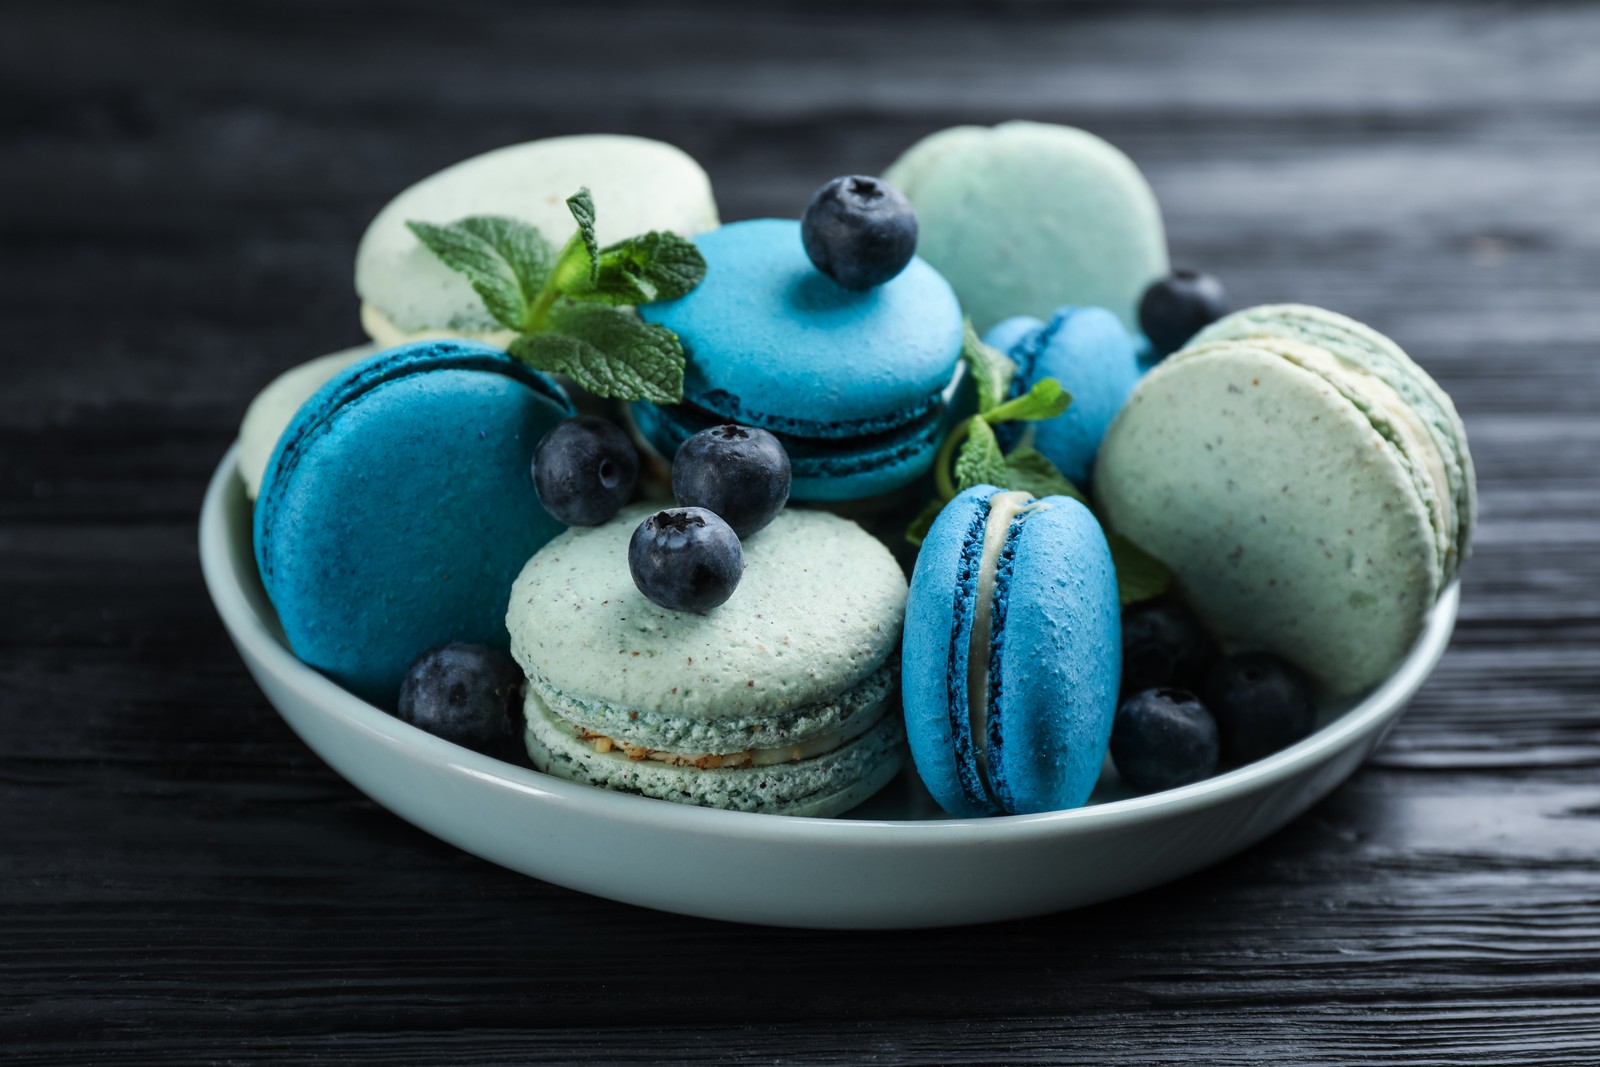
[(739, 653)]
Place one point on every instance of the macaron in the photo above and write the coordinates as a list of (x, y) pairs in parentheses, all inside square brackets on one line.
[(1026, 217), (1366, 350), (269, 413), (638, 185), (1012, 654), (1301, 501), (1094, 358), (399, 506), (780, 701), (854, 383)]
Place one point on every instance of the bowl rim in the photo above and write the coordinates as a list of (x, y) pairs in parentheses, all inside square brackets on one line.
[(255, 638)]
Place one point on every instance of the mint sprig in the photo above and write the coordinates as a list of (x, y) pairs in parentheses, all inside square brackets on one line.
[(572, 309), (973, 452)]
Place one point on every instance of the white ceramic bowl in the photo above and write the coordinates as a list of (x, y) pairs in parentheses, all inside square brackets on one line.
[(895, 862)]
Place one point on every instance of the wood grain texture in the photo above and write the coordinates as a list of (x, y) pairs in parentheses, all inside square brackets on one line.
[(181, 881)]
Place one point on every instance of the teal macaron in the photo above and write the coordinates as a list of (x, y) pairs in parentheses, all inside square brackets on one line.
[(854, 383), (1012, 654), (781, 701), (399, 505)]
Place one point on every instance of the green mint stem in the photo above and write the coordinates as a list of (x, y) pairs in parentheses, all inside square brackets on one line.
[(539, 313), (947, 454)]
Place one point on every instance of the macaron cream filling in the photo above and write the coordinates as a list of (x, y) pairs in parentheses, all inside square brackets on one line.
[(804, 747), (840, 717)]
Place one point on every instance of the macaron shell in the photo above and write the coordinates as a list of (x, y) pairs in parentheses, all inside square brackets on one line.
[(399, 506), (770, 341), (1362, 346), (1094, 358), (272, 409), (1059, 656), (818, 610), (637, 185), (826, 473), (1026, 217), (823, 785), (934, 655), (1055, 658), (1290, 523)]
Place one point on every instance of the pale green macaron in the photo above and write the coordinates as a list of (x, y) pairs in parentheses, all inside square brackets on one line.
[(1302, 502), (637, 184), (1026, 217), (783, 700), (1367, 350)]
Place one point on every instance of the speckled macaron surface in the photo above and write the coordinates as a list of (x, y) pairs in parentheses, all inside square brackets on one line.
[(1093, 357), (637, 185), (1012, 654), (1026, 217), (399, 505), (1293, 499), (1366, 350), (799, 661)]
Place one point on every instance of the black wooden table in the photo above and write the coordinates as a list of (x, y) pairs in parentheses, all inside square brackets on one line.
[(181, 881)]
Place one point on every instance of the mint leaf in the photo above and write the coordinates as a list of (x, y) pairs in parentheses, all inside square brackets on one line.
[(991, 369), (609, 352), (980, 461), (581, 204), (1045, 400), (918, 530), (1140, 576), (1031, 471), (641, 270), (505, 260)]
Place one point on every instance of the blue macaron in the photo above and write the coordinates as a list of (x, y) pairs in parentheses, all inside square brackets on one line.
[(1095, 359), (1012, 654), (399, 506), (854, 383)]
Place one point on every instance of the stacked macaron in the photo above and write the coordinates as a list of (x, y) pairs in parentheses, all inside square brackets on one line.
[(781, 700), (852, 381), (1308, 484)]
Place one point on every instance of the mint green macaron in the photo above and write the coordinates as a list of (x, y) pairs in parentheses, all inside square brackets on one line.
[(1303, 502), (1365, 349), (784, 700), (1027, 217)]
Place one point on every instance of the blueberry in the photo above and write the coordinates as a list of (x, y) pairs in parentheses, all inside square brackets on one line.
[(739, 472), (468, 694), (686, 559), (1175, 308), (584, 470), (1261, 704), (1163, 738), (1163, 644), (859, 231)]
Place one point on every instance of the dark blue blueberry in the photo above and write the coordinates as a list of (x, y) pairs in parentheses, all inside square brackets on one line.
[(468, 694), (1163, 644), (1163, 738), (584, 470), (686, 559), (739, 472), (859, 231), (1177, 307), (1261, 704)]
